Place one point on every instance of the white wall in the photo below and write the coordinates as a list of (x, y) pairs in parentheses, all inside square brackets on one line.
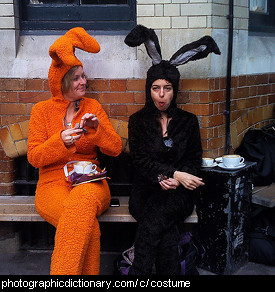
[(177, 22)]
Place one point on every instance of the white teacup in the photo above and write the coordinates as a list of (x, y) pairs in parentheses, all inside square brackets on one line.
[(81, 167), (232, 160), (207, 161)]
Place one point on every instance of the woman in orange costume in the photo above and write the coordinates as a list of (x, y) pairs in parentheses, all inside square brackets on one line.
[(56, 136)]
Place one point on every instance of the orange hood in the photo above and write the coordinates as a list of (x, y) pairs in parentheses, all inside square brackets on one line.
[(63, 57)]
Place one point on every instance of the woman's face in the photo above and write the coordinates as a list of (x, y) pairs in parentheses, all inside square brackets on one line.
[(162, 94), (78, 85)]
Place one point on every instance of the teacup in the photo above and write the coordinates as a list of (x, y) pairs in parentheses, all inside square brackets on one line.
[(207, 161), (232, 160), (80, 167)]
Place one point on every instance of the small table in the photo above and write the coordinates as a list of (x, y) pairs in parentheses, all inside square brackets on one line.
[(223, 217)]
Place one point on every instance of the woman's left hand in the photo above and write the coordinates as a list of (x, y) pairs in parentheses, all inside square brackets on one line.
[(89, 120), (169, 184)]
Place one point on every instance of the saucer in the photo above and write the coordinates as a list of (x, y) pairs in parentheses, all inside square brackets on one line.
[(213, 165), (241, 165), (218, 159)]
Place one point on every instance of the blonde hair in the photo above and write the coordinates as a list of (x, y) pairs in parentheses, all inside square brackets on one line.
[(67, 79)]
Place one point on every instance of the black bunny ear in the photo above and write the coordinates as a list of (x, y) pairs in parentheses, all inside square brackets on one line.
[(141, 34), (195, 50)]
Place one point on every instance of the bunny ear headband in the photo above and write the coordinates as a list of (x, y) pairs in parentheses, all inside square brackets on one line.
[(167, 70), (63, 57), (190, 52)]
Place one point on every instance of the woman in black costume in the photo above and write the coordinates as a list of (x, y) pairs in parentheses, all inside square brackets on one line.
[(165, 146)]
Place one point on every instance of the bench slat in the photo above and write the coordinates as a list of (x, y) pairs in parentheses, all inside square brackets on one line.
[(22, 208), (264, 196)]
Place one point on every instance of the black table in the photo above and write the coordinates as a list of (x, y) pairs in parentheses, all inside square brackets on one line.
[(223, 212)]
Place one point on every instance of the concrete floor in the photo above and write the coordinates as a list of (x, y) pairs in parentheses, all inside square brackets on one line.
[(37, 262)]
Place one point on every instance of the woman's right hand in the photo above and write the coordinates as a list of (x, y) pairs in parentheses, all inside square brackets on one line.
[(70, 136), (189, 181)]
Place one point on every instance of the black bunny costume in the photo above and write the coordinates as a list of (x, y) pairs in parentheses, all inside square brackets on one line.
[(157, 211)]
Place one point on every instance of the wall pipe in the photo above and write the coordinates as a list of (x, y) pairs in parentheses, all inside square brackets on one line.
[(230, 17)]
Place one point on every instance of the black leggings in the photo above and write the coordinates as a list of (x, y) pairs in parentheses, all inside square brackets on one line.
[(158, 214)]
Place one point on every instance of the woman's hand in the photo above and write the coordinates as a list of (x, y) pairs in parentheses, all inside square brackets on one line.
[(70, 136), (169, 184), (189, 181), (89, 120)]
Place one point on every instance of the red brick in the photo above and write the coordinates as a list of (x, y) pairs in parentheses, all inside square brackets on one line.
[(121, 97), (252, 102), (106, 108), (217, 96), (271, 100), (11, 119), (118, 85), (214, 84), (198, 109), (240, 92), (9, 96), (204, 144), (216, 143), (234, 81), (194, 97), (118, 110), (271, 78), (7, 165), (242, 81), (263, 89), (92, 95), (140, 97), (33, 96), (136, 84), (223, 82), (99, 85), (257, 79), (12, 84), (195, 84), (204, 133), (216, 120), (6, 177), (204, 97), (132, 108), (6, 189), (12, 109), (183, 97), (34, 84), (252, 90)]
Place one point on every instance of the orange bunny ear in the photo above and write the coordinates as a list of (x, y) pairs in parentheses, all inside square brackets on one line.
[(82, 40), (62, 50), (63, 57)]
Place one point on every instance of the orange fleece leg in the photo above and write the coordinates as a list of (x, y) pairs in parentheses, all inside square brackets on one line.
[(78, 234), (93, 253)]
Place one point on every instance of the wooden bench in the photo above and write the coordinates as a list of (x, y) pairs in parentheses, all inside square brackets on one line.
[(22, 208), (264, 196)]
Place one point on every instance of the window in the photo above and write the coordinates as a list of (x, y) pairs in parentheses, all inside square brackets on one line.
[(262, 16), (105, 15)]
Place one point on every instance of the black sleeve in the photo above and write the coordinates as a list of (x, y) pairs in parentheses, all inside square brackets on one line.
[(193, 154)]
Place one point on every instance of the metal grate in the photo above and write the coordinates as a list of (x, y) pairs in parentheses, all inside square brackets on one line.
[(26, 177)]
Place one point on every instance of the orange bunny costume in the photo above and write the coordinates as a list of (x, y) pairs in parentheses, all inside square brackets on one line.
[(72, 210)]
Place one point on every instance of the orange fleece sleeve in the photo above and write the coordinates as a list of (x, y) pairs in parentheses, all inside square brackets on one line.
[(105, 137), (44, 150)]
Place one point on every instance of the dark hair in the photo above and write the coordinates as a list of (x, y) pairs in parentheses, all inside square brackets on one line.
[(166, 71)]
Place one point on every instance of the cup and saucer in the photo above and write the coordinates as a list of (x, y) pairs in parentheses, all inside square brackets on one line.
[(208, 162), (230, 162)]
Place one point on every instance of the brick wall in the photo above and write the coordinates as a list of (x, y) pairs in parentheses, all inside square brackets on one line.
[(252, 105)]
